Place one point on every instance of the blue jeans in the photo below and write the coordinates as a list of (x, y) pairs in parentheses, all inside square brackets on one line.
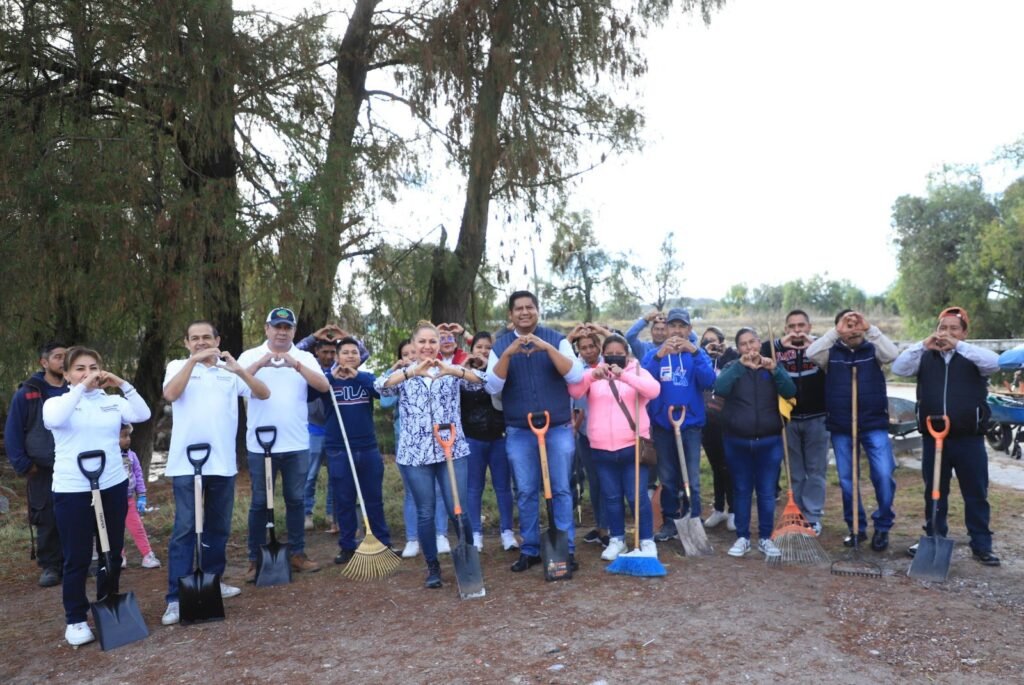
[(422, 482), (617, 473), (370, 469), (754, 466), (218, 503), (409, 513), (317, 457), (882, 464), (293, 467), (669, 473), (76, 522), (484, 453), (586, 457), (967, 455), (524, 457)]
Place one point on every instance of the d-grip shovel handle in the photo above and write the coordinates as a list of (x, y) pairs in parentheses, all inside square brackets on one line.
[(197, 487), (268, 473), (271, 432), (446, 444), (97, 503), (938, 436), (682, 415), (197, 464), (676, 426), (93, 474), (542, 448)]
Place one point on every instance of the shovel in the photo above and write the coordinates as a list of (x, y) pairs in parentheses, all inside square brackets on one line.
[(272, 567), (554, 543), (934, 552), (465, 556), (199, 592), (690, 529), (117, 616)]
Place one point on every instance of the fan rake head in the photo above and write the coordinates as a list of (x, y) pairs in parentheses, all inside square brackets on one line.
[(372, 559)]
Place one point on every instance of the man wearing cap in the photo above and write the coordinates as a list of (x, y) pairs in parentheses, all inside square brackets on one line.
[(952, 381), (289, 373), (684, 371), (203, 391), (855, 344), (659, 331)]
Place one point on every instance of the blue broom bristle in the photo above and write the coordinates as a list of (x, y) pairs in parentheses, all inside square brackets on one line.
[(625, 565)]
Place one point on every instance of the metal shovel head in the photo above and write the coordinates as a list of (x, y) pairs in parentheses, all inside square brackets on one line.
[(272, 566), (554, 550), (683, 529), (199, 597), (118, 620), (695, 537), (931, 562), (468, 574)]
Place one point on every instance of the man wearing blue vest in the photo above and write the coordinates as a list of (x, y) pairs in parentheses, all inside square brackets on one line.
[(853, 343), (531, 367), (952, 380)]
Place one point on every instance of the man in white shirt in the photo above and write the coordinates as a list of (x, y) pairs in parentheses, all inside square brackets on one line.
[(289, 373), (203, 391)]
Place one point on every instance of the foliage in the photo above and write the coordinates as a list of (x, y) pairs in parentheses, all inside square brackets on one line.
[(666, 279)]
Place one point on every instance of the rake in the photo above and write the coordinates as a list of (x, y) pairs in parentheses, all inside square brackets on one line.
[(794, 536)]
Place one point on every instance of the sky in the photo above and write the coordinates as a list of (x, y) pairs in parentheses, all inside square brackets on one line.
[(778, 138)]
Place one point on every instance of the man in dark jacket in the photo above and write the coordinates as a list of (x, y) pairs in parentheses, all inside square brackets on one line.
[(29, 448), (952, 381), (855, 344)]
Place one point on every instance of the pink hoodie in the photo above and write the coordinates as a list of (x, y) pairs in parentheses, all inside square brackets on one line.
[(607, 426)]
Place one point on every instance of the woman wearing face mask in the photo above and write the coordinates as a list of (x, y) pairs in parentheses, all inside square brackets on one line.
[(612, 389), (485, 432), (752, 429), (713, 342), (83, 420), (429, 395)]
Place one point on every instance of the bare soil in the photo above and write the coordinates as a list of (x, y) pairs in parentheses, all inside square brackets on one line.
[(711, 619)]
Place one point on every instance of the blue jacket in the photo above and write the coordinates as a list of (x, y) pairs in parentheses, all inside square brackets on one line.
[(355, 400), (26, 440), (872, 400), (533, 383), (683, 378)]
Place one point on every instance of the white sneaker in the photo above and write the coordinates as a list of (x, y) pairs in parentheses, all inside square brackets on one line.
[(649, 548), (170, 616), (716, 518), (227, 591), (150, 561), (442, 545), (124, 562), (308, 525), (411, 549), (478, 541), (731, 523), (740, 547), (508, 540), (78, 634), (769, 549), (615, 547)]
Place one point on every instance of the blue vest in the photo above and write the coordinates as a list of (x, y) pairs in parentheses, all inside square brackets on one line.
[(872, 400), (533, 384)]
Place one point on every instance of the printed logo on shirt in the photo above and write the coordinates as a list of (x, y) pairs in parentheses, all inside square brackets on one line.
[(666, 374), (349, 395), (679, 377), (112, 407)]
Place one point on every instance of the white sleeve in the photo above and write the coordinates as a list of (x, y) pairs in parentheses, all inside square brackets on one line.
[(133, 408), (885, 350), (575, 374), (493, 385), (909, 361), (58, 410), (986, 360), (173, 367)]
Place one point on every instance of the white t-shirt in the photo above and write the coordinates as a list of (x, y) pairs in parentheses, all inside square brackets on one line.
[(206, 411), (286, 408)]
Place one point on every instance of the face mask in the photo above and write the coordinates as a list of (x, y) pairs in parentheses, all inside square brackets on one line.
[(616, 359)]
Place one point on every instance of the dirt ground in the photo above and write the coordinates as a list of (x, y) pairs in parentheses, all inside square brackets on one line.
[(711, 619)]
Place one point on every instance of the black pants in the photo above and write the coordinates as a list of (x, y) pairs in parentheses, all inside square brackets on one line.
[(40, 503), (711, 440), (968, 457), (78, 535)]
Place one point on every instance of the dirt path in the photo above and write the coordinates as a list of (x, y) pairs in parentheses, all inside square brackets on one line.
[(712, 619)]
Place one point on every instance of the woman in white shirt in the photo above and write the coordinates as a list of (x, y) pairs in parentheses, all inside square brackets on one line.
[(87, 419)]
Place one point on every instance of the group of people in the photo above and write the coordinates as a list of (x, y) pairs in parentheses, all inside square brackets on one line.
[(598, 393)]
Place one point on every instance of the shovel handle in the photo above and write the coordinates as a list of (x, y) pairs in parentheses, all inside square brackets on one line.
[(542, 448), (938, 436), (676, 429), (447, 446), (672, 409), (197, 464), (266, 443), (92, 474), (539, 431)]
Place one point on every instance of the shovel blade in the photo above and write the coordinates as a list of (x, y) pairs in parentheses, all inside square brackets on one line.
[(468, 574), (932, 559), (118, 621), (272, 565), (554, 550), (698, 538), (683, 529), (199, 597)]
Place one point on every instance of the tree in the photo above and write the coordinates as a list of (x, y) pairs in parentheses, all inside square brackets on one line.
[(1002, 254), (578, 259), (736, 298), (667, 282)]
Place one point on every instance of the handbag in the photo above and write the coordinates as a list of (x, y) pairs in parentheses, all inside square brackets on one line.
[(648, 455)]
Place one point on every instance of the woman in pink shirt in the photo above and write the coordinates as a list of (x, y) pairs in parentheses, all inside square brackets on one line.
[(612, 389)]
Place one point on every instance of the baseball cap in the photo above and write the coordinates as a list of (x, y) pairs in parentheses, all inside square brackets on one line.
[(958, 312), (678, 314), (281, 315)]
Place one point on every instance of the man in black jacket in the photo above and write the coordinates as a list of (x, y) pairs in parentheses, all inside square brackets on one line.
[(952, 381)]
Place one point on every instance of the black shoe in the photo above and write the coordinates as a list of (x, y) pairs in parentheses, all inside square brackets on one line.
[(880, 541), (985, 558), (49, 577), (861, 537), (912, 550), (433, 575), (344, 556), (524, 562), (573, 564), (605, 539), (593, 537)]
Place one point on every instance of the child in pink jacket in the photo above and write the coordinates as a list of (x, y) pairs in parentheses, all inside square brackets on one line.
[(610, 429), (136, 502)]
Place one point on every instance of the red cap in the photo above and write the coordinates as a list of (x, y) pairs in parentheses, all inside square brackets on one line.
[(958, 312)]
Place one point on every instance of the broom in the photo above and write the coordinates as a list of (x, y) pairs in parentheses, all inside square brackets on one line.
[(637, 563), (793, 536), (371, 559)]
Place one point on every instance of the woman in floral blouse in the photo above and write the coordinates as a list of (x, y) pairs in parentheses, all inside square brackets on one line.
[(428, 395)]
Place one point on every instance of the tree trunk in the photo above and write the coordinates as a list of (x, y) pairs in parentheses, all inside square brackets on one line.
[(451, 283)]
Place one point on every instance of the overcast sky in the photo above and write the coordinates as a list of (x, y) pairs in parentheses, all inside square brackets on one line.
[(779, 136)]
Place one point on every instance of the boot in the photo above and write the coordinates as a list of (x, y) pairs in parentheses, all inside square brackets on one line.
[(433, 574)]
